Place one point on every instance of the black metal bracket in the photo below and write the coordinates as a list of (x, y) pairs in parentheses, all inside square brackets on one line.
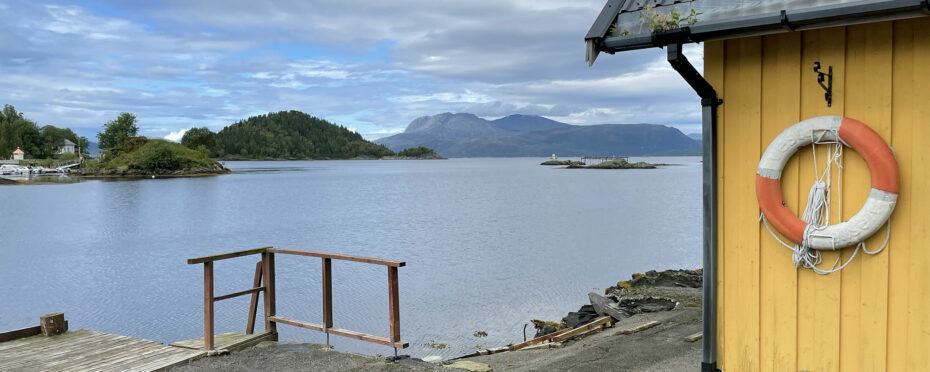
[(828, 76), (784, 21)]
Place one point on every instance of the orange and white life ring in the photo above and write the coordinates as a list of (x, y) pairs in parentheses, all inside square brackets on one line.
[(852, 133)]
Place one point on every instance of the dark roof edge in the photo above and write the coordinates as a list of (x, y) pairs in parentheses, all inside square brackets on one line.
[(605, 19), (785, 21)]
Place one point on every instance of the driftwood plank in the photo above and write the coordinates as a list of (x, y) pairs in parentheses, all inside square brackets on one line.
[(545, 345), (597, 323), (539, 339), (639, 328), (694, 337)]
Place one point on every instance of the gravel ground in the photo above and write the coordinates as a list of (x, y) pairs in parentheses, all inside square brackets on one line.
[(287, 356), (661, 348)]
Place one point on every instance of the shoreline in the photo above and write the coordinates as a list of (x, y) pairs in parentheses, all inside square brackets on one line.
[(667, 343)]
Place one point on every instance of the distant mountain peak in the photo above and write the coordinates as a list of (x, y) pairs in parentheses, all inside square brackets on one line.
[(464, 135), (525, 123), (448, 125)]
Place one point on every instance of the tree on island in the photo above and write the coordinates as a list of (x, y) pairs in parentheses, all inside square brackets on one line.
[(194, 138), (37, 143), (115, 132), (418, 152), (17, 131)]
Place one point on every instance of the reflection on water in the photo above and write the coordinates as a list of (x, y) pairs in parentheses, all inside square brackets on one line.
[(44, 179), (489, 245)]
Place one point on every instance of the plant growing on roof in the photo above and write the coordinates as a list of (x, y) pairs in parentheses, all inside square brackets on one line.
[(659, 22)]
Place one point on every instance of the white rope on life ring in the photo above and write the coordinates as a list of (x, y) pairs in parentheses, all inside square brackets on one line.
[(811, 232)]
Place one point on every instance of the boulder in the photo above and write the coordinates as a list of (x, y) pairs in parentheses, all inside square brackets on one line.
[(584, 315), (668, 278), (606, 306)]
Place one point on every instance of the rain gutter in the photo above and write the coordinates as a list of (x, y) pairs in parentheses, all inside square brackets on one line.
[(709, 103)]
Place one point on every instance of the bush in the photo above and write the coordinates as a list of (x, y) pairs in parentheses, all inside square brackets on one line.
[(68, 156), (157, 156)]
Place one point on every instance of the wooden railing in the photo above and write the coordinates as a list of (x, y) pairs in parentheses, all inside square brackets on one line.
[(264, 273)]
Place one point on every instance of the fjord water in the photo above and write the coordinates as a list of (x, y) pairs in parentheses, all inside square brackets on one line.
[(489, 245)]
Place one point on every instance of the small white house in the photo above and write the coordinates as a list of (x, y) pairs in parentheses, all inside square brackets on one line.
[(67, 147), (18, 154)]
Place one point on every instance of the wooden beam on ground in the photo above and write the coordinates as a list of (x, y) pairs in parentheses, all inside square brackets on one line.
[(545, 345), (597, 323), (694, 337), (493, 350), (639, 328), (223, 256), (20, 333), (540, 339), (344, 257)]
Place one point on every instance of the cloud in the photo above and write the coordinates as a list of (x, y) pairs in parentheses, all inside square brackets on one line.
[(372, 65), (176, 135)]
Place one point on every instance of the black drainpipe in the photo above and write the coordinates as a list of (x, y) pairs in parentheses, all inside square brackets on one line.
[(709, 103)]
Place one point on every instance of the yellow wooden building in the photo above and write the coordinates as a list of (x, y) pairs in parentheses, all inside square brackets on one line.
[(761, 312)]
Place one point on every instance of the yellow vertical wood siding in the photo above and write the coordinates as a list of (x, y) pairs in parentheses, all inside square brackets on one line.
[(875, 314)]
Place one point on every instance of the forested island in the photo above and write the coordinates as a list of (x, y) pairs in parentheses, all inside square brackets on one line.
[(284, 135), (293, 135), (128, 155)]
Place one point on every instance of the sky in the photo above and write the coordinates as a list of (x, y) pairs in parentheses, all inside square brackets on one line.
[(371, 66)]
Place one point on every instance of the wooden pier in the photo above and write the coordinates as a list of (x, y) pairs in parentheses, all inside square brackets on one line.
[(55, 349), (85, 350), (50, 347)]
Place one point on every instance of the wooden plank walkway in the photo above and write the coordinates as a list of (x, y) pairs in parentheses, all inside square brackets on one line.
[(85, 350), (226, 341)]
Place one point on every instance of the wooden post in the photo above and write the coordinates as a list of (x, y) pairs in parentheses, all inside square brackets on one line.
[(253, 304), (268, 276), (393, 304), (327, 294), (208, 305), (53, 324)]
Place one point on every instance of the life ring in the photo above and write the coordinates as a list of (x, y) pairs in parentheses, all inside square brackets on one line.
[(852, 133)]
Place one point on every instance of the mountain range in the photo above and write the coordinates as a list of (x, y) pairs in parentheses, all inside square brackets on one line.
[(467, 135)]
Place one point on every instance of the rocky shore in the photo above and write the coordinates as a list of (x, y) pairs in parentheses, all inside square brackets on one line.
[(561, 162), (134, 172), (613, 164), (654, 321), (422, 157)]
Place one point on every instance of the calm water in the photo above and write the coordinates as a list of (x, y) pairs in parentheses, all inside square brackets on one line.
[(489, 245)]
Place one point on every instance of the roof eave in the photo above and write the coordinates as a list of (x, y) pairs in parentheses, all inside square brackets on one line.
[(772, 23)]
